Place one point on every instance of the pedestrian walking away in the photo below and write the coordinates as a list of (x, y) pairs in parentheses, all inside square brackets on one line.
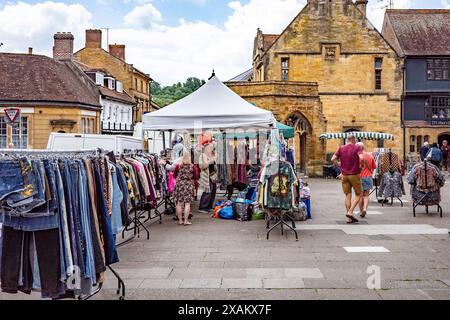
[(367, 168), (348, 158)]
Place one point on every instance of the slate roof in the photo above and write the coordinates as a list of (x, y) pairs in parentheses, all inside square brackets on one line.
[(112, 94), (245, 76), (421, 32), (40, 79)]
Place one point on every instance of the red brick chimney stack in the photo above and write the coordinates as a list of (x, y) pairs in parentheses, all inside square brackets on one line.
[(93, 38), (63, 47), (117, 50)]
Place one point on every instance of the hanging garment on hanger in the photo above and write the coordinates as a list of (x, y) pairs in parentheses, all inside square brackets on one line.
[(391, 185), (278, 179)]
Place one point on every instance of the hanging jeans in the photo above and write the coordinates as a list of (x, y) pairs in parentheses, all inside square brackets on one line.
[(207, 199), (16, 244)]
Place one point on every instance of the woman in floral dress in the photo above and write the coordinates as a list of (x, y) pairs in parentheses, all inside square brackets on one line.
[(186, 175)]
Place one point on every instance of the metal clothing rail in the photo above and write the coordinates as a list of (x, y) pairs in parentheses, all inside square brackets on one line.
[(96, 152), (427, 198)]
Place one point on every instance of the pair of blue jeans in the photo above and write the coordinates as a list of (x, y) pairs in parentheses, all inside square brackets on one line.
[(11, 180), (25, 196)]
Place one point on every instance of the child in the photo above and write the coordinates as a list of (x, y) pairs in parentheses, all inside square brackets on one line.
[(305, 196)]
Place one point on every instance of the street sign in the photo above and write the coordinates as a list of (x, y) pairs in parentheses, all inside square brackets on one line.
[(12, 115)]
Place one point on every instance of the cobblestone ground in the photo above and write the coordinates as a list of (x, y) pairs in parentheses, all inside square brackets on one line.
[(217, 259)]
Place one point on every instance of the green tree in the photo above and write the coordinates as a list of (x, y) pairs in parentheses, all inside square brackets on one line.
[(164, 96)]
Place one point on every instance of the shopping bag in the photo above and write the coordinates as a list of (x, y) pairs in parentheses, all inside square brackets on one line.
[(258, 214), (226, 213), (171, 183)]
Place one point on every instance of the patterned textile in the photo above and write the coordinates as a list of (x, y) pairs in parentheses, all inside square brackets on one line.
[(278, 179), (185, 187), (427, 180), (388, 162), (431, 187), (391, 185)]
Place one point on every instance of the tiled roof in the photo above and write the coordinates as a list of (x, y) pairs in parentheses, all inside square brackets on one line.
[(121, 96), (421, 32), (245, 76), (36, 78), (113, 94)]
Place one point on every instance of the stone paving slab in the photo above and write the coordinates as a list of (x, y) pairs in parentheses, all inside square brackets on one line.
[(201, 284), (242, 283), (274, 283)]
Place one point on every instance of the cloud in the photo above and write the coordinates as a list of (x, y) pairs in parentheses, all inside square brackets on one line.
[(143, 16), (26, 25), (193, 48), (446, 4), (376, 10)]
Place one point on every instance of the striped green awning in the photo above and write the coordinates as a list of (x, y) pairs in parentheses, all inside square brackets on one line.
[(359, 135)]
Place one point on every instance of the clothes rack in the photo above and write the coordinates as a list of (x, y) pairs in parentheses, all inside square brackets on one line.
[(69, 154), (426, 197), (391, 171), (282, 218)]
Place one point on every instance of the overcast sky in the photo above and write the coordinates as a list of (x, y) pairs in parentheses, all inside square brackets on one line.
[(170, 39)]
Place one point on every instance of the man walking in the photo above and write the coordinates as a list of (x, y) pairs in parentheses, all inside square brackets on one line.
[(348, 158)]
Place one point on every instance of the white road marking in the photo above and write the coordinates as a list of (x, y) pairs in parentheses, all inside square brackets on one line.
[(381, 229), (366, 249), (371, 213)]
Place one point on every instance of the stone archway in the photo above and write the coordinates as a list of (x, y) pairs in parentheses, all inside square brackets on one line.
[(444, 136), (303, 131)]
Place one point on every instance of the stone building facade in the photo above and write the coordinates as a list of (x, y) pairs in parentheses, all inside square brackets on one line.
[(53, 95), (356, 74), (136, 82), (422, 39)]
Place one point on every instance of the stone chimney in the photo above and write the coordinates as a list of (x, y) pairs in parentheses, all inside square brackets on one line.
[(362, 6), (117, 50), (93, 38), (63, 48), (30, 50)]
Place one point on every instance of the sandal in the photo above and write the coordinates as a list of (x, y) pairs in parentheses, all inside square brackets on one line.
[(354, 220), (187, 223)]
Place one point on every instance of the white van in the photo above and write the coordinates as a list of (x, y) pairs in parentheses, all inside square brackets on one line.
[(73, 141)]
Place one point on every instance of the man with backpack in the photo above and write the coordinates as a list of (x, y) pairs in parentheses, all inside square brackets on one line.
[(435, 155)]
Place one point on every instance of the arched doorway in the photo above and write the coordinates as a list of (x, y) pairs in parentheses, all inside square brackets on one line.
[(444, 136), (303, 131)]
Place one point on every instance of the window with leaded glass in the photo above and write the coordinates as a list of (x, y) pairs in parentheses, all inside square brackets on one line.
[(438, 69)]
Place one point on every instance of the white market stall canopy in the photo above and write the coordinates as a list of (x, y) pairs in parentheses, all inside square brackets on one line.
[(213, 106), (359, 135)]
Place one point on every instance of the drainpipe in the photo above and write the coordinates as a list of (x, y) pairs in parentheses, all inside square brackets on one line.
[(403, 111)]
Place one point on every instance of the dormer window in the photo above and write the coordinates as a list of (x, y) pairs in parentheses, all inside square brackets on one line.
[(110, 83), (99, 79), (119, 86)]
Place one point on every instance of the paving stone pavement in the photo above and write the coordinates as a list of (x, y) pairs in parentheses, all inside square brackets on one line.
[(218, 259)]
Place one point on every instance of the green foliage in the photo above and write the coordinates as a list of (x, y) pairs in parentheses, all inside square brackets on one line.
[(164, 96)]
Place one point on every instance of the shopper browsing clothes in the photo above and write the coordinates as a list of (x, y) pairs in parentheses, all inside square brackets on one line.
[(208, 178), (424, 151), (435, 155), (348, 158), (367, 168), (445, 150), (186, 176)]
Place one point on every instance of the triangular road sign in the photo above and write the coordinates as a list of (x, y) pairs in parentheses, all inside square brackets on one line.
[(12, 114)]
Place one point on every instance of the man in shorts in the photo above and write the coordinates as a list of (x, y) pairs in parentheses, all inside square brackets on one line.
[(348, 158)]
